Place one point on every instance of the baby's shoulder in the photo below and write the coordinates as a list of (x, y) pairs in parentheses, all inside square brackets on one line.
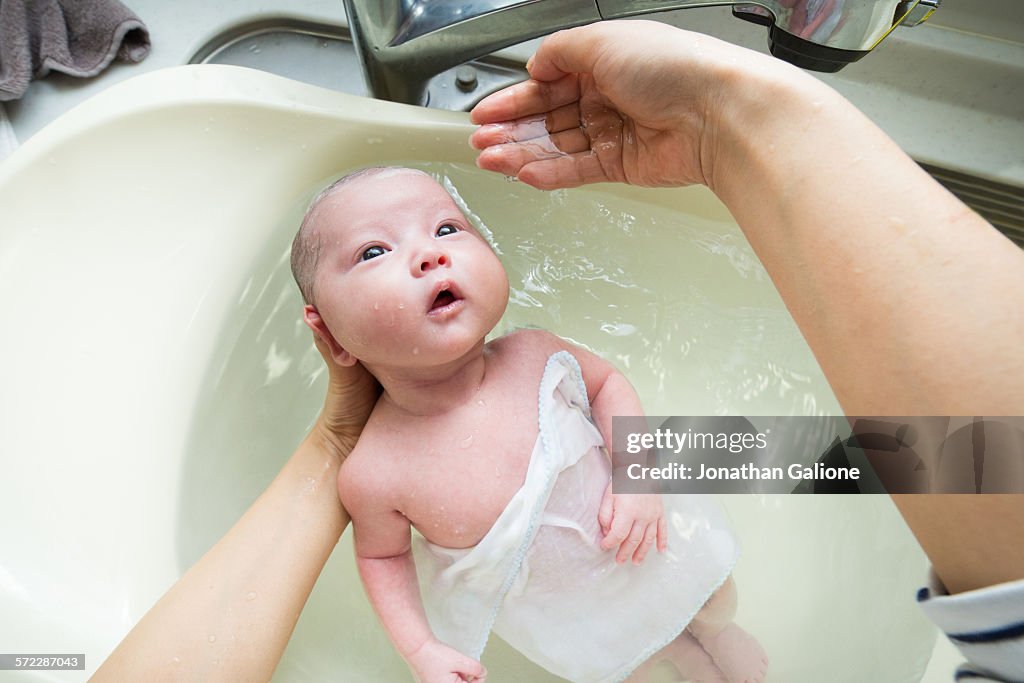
[(529, 342), (368, 468)]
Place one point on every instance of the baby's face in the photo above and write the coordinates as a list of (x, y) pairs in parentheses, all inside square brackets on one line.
[(403, 278)]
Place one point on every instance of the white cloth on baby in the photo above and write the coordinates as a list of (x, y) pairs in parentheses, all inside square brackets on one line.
[(539, 578)]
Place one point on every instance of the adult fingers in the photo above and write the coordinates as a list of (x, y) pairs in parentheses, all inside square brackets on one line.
[(567, 171), (537, 126), (526, 99), (515, 155), (562, 171)]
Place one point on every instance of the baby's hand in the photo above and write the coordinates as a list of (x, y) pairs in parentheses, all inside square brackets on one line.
[(632, 522), (435, 662)]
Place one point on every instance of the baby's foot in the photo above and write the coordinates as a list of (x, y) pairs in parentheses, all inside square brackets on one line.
[(738, 654), (693, 662), (686, 655)]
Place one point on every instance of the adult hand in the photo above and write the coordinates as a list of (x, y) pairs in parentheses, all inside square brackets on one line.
[(624, 101), (351, 394)]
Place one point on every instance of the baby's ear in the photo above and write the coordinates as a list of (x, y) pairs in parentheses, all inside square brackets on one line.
[(320, 331)]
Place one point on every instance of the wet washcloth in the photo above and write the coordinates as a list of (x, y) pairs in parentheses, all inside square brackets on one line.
[(539, 578), (76, 37)]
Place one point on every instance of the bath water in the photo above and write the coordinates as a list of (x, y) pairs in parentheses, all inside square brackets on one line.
[(662, 284)]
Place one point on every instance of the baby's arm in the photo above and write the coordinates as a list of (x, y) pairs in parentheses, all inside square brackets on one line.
[(383, 546), (631, 522)]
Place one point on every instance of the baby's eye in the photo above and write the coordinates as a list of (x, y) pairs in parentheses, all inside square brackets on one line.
[(372, 252), (447, 229)]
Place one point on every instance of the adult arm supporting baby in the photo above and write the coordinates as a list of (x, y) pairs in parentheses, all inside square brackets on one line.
[(208, 626), (384, 558)]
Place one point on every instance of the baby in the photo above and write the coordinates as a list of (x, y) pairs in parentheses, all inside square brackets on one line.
[(489, 451)]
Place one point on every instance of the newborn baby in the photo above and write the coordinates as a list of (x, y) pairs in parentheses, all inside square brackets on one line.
[(491, 452)]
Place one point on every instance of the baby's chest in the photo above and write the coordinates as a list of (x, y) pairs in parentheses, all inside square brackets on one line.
[(459, 477)]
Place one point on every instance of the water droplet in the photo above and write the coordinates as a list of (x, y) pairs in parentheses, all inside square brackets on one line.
[(376, 305), (176, 660), (415, 350), (401, 306), (216, 662), (212, 639), (250, 596), (480, 402), (465, 443)]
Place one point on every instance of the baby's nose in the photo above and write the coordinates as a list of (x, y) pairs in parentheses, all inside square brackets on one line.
[(430, 260)]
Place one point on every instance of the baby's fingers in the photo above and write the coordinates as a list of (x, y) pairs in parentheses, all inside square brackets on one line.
[(650, 536), (629, 546)]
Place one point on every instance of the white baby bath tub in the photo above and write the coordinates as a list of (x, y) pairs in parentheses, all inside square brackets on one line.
[(156, 373)]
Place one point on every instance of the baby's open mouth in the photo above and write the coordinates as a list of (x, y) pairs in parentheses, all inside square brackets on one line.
[(443, 298)]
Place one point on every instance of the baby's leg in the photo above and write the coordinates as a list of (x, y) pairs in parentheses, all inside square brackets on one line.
[(686, 654), (737, 653)]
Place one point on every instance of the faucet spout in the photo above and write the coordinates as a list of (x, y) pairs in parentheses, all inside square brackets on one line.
[(402, 44)]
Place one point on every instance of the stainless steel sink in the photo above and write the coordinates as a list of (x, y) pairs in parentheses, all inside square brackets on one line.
[(323, 55)]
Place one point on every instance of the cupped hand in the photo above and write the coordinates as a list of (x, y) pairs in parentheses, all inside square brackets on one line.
[(633, 523), (623, 101), (435, 662), (351, 394)]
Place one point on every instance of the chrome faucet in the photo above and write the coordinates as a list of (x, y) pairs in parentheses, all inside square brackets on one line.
[(402, 44)]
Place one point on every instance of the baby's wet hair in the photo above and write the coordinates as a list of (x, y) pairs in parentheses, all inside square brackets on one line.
[(307, 245)]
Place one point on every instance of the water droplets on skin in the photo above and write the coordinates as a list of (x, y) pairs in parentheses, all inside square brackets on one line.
[(482, 403), (176, 660), (466, 443), (251, 595), (415, 350), (376, 305), (212, 639)]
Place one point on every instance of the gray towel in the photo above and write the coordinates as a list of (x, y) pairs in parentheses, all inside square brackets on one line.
[(76, 37)]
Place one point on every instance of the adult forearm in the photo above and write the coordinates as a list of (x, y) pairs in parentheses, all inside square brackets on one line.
[(231, 615), (911, 302)]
